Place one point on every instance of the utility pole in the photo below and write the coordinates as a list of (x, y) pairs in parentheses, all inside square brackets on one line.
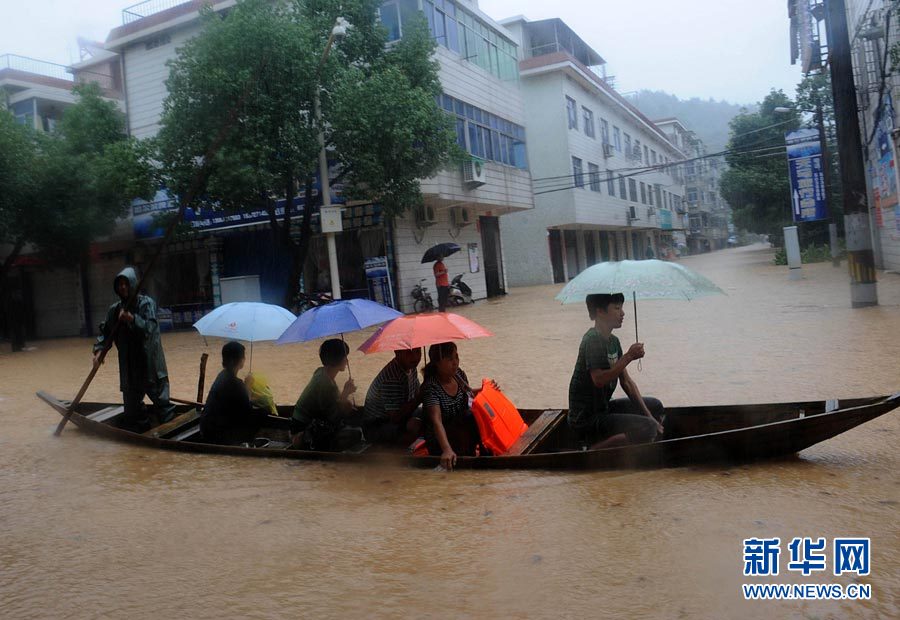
[(860, 258)]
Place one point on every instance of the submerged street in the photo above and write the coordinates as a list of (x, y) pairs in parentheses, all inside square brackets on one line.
[(97, 529)]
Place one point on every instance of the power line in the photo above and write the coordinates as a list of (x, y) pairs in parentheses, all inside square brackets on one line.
[(678, 162)]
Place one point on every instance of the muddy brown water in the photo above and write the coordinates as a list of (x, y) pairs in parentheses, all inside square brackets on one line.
[(93, 529)]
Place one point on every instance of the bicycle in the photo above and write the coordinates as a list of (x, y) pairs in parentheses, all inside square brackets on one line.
[(423, 301)]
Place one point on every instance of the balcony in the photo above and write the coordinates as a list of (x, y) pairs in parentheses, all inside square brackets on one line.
[(22, 64)]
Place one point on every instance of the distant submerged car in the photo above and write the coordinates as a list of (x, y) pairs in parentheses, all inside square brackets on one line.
[(732, 240)]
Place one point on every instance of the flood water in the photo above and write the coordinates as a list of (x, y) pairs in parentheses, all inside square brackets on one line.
[(93, 529)]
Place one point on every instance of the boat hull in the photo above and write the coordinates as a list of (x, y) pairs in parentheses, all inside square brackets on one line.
[(736, 433)]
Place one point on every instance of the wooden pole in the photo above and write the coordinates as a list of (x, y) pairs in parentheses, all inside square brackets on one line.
[(203, 359)]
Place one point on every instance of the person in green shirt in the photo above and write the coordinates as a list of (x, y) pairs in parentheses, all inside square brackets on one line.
[(322, 410), (598, 419)]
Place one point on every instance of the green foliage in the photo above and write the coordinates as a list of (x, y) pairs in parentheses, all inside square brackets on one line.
[(59, 191), (809, 254), (756, 184), (241, 117)]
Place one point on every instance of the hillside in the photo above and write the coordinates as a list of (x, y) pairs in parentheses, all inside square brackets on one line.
[(707, 117)]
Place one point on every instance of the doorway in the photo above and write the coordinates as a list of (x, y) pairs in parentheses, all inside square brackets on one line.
[(493, 261)]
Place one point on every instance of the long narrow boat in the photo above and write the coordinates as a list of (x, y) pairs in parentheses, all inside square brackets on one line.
[(694, 435)]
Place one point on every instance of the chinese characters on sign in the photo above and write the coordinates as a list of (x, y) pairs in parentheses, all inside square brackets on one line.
[(807, 555), (807, 175)]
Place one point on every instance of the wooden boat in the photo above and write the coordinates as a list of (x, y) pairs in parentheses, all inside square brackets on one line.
[(694, 435)]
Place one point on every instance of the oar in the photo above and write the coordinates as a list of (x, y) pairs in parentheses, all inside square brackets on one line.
[(196, 184), (634, 301), (202, 380)]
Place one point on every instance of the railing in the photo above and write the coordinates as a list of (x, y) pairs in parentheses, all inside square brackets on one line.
[(147, 8), (104, 81), (36, 67)]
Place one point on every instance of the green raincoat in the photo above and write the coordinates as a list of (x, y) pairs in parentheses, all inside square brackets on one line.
[(141, 359)]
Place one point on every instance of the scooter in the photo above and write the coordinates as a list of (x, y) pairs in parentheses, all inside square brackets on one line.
[(460, 293)]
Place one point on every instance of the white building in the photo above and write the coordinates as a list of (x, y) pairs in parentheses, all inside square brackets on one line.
[(479, 73), (708, 213), (604, 188)]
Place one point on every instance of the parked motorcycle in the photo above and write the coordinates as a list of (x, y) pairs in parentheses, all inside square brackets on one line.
[(308, 301), (460, 293), (423, 301)]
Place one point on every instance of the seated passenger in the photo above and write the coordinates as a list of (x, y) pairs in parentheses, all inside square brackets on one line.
[(450, 427), (228, 417), (597, 418), (322, 410), (392, 411)]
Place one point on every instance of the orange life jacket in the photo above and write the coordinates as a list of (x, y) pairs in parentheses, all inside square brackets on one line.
[(498, 419)]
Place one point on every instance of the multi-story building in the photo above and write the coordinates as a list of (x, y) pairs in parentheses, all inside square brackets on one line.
[(708, 213), (34, 91), (463, 204), (604, 186), (873, 33)]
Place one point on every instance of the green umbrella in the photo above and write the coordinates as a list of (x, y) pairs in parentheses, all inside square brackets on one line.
[(641, 279)]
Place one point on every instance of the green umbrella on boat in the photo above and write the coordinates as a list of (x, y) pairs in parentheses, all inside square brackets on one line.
[(638, 279)]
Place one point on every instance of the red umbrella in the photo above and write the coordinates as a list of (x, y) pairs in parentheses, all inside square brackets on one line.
[(422, 330)]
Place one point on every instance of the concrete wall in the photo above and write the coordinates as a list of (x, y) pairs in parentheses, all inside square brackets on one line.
[(411, 243), (145, 76)]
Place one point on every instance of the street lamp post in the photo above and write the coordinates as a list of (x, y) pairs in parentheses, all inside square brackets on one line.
[(826, 173), (329, 217)]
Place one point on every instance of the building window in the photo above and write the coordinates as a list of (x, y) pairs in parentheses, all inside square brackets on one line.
[(637, 151), (462, 32), (610, 183), (692, 196), (632, 190), (577, 172), (622, 193), (617, 138), (604, 130), (650, 195), (652, 156), (486, 135), (588, 118), (646, 155), (643, 193), (594, 177), (627, 145), (572, 111), (658, 196)]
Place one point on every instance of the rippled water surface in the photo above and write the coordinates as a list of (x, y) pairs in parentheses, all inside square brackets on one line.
[(94, 529)]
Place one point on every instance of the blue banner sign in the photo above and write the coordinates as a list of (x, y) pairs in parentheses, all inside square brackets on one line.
[(147, 224), (804, 152)]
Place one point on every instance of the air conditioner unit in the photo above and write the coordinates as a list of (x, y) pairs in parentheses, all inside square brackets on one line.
[(631, 214), (460, 216), (473, 172), (607, 149), (650, 212), (425, 216)]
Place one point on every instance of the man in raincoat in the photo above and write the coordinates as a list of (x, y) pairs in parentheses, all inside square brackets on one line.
[(142, 364)]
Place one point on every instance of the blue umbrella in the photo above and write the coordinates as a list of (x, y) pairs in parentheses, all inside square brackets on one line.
[(337, 317)]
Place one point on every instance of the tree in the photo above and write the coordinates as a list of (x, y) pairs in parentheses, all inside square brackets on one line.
[(248, 84), (756, 184), (59, 191)]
